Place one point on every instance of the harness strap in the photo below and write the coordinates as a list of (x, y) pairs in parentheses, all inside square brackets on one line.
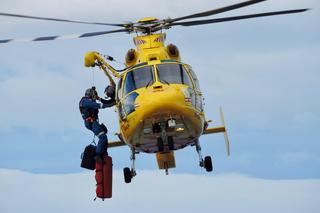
[(90, 119)]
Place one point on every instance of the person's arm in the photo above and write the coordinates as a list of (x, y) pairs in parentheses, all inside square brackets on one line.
[(108, 103), (92, 104)]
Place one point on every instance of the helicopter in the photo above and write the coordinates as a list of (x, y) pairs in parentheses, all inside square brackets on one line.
[(159, 101)]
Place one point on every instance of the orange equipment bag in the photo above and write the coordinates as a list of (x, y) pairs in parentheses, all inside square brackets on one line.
[(104, 178)]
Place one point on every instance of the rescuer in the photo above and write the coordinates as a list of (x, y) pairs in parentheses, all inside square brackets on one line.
[(89, 109)]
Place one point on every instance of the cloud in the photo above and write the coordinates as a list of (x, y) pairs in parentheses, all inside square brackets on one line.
[(49, 78), (264, 72), (152, 191)]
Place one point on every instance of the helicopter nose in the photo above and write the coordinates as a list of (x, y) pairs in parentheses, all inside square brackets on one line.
[(162, 99)]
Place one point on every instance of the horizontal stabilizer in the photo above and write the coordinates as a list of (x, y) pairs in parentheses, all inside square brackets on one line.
[(220, 129), (213, 130), (116, 144)]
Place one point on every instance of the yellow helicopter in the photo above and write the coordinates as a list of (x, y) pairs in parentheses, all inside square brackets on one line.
[(159, 101)]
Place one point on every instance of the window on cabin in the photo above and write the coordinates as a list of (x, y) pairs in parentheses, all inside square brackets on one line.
[(173, 74), (138, 78), (121, 111), (195, 79), (128, 105)]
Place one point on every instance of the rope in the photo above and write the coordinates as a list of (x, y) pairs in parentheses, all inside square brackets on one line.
[(92, 77)]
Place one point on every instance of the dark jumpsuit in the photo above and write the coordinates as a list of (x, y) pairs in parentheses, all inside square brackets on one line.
[(89, 109)]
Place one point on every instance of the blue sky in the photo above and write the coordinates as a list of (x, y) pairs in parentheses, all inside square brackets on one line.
[(263, 72)]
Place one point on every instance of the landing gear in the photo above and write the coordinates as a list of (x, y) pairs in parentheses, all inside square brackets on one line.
[(206, 162), (127, 175), (130, 173)]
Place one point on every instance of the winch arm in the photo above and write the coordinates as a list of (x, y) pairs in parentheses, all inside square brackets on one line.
[(95, 59)]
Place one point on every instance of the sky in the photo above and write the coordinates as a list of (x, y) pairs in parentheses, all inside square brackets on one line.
[(263, 72)]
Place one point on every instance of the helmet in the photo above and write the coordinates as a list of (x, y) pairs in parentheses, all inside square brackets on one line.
[(91, 93), (110, 91)]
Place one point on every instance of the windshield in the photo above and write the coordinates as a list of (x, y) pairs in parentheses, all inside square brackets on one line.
[(173, 74), (138, 78)]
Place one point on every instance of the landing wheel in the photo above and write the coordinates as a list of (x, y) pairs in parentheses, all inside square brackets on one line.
[(208, 164), (127, 175)]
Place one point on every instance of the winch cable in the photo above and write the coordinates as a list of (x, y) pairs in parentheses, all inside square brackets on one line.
[(93, 83)]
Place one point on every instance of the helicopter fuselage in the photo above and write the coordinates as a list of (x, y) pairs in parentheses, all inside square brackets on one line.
[(159, 101), (162, 108)]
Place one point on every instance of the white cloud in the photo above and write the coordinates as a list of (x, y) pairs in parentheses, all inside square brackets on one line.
[(239, 77), (152, 191), (46, 97)]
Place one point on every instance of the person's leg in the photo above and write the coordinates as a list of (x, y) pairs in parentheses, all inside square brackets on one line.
[(88, 125), (103, 139)]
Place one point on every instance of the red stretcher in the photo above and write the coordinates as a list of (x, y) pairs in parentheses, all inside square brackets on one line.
[(104, 178)]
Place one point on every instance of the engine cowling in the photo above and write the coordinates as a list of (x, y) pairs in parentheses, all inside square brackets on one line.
[(173, 52), (131, 57)]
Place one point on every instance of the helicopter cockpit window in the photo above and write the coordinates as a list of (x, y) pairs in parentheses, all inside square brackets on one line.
[(129, 103), (195, 79), (173, 74), (138, 78)]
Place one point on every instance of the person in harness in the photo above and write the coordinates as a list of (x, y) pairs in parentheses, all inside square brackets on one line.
[(89, 109)]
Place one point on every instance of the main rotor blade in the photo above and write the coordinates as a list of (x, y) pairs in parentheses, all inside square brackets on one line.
[(216, 11), (50, 38), (234, 18), (60, 20)]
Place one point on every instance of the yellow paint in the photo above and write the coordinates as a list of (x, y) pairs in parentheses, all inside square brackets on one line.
[(89, 59), (156, 103), (166, 160), (147, 19)]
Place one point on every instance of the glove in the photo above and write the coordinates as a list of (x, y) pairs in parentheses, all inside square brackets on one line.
[(104, 128), (110, 91)]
